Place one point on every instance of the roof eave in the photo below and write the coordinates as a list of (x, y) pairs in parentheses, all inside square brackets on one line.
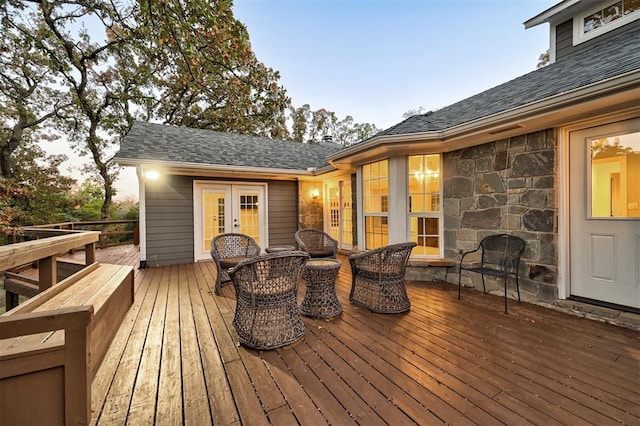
[(213, 170), (543, 17)]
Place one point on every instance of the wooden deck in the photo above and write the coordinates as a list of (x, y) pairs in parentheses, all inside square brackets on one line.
[(176, 360)]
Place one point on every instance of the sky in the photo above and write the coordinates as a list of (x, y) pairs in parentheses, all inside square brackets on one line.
[(377, 59)]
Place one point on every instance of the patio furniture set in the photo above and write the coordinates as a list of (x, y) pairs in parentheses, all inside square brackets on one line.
[(267, 314)]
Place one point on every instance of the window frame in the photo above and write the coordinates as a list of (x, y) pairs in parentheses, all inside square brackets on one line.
[(580, 36), (439, 215), (366, 212)]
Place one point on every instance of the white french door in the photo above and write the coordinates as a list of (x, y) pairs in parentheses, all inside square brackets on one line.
[(604, 213), (340, 212), (222, 208)]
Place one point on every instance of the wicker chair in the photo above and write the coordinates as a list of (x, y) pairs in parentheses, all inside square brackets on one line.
[(267, 314), (227, 250), (317, 243), (378, 278), (496, 255)]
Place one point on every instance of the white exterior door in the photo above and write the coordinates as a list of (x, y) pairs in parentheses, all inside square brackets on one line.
[(221, 208), (604, 213), (340, 212)]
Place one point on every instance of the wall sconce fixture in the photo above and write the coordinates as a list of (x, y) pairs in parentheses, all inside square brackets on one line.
[(152, 174), (315, 193)]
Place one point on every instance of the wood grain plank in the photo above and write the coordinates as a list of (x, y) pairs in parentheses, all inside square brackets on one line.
[(194, 390), (118, 399), (221, 401), (142, 409), (106, 372), (169, 410)]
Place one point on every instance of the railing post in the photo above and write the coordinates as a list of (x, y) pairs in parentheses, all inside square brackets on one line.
[(136, 234), (47, 272), (89, 253)]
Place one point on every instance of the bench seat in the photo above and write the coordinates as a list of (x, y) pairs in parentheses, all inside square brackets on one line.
[(32, 366)]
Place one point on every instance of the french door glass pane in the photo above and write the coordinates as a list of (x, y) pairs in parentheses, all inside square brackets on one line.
[(213, 216)]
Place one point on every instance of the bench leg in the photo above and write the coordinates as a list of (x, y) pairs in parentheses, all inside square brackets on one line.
[(11, 300), (76, 377)]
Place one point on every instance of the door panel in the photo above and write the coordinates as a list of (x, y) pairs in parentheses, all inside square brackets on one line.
[(604, 166), (248, 202)]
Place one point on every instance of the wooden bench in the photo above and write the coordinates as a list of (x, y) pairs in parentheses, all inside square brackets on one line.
[(52, 345)]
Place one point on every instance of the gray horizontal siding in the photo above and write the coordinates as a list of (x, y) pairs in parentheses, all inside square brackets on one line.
[(169, 217), (564, 38), (283, 212), (169, 220)]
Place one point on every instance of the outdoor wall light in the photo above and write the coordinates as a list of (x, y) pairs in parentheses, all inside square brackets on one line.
[(152, 174), (315, 193)]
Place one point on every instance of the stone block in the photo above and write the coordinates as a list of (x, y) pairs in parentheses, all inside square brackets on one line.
[(516, 183), (547, 293), (464, 168), (543, 182), (487, 201), (481, 219), (484, 165), (533, 164), (461, 187), (539, 140), (451, 206), (489, 183), (538, 220), (451, 221), (474, 152), (536, 198)]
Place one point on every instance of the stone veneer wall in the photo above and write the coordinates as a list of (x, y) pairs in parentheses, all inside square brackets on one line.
[(507, 186)]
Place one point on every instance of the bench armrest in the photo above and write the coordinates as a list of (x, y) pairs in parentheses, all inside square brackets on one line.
[(39, 322)]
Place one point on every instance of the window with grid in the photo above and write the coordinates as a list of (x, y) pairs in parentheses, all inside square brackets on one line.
[(424, 204), (375, 182)]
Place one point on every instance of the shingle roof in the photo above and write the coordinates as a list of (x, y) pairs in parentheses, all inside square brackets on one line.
[(157, 142), (609, 58)]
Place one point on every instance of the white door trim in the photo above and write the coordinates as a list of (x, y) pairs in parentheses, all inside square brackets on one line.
[(231, 186), (563, 278)]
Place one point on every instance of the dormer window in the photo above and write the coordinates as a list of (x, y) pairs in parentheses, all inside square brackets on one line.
[(603, 18)]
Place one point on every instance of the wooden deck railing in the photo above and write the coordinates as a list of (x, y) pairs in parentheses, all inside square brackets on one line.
[(43, 250), (112, 232)]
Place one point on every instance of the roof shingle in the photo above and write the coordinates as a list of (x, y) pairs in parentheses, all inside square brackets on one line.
[(157, 142)]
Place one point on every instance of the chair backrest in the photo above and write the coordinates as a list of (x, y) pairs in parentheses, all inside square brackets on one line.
[(233, 245), (503, 250), (388, 260), (313, 239), (269, 274)]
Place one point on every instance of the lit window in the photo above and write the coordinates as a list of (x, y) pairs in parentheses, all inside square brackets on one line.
[(424, 208), (375, 182)]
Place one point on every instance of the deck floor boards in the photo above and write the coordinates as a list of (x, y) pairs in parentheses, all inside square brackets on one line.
[(176, 360)]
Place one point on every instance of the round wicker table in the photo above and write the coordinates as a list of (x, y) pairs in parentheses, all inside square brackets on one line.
[(320, 299)]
